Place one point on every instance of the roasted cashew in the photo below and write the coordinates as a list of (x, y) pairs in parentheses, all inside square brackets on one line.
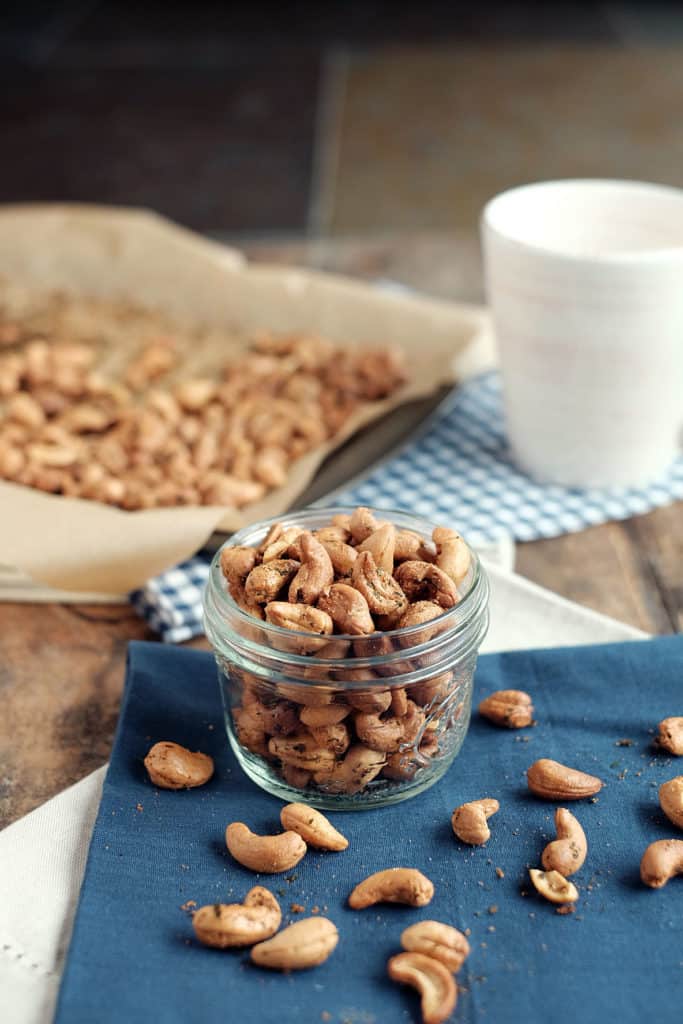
[(308, 695), (399, 702), (302, 751), (432, 691), (553, 886), (250, 731), (511, 709), (385, 734), (224, 925), (281, 718), (341, 555), (671, 800), (661, 861), (421, 611), (300, 618), (567, 853), (407, 545), (237, 563), (422, 581), (362, 523), (360, 766), (313, 827), (171, 766), (282, 543), (343, 520), (328, 714), (440, 941), (393, 885), (243, 601), (381, 544), (335, 737), (383, 594), (316, 572), (266, 854), (670, 735), (554, 781), (303, 944), (347, 608), (296, 777), (400, 766), (265, 582), (333, 535), (433, 981), (469, 820), (371, 701), (452, 554)]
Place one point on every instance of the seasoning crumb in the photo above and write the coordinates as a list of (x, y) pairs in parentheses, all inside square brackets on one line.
[(326, 1015), (290, 878), (188, 905), (500, 872), (491, 928), (493, 909), (315, 910), (566, 908), (622, 743), (297, 908), (468, 931), (139, 807), (622, 775), (594, 800)]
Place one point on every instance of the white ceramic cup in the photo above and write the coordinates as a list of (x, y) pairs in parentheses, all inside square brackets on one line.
[(585, 282)]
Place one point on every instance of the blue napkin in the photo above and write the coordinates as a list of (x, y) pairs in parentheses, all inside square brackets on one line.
[(133, 956)]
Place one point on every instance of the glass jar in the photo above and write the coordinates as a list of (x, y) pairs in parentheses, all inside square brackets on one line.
[(345, 721)]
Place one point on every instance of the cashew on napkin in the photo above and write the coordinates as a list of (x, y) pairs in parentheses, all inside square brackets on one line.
[(77, 545)]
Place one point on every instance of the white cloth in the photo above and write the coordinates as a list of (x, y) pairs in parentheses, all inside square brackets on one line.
[(42, 857)]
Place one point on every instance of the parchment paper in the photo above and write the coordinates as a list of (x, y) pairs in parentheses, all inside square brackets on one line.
[(77, 545)]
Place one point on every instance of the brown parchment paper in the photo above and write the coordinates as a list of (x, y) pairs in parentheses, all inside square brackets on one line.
[(113, 253)]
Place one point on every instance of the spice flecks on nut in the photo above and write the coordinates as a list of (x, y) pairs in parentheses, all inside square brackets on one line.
[(553, 886)]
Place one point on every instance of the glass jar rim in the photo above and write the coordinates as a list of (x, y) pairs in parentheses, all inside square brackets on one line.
[(217, 589)]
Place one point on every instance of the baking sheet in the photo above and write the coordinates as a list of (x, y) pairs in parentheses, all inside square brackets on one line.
[(77, 545)]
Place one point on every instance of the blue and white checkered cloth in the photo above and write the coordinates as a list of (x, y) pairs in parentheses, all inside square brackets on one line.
[(457, 470)]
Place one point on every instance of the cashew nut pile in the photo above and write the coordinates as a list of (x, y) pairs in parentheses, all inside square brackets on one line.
[(143, 434), (357, 577)]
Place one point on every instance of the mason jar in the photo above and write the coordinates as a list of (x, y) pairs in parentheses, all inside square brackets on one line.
[(341, 721)]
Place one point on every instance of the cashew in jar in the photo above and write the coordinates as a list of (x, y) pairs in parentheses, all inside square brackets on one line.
[(352, 774), (380, 543), (422, 581), (452, 553), (264, 582), (315, 574), (381, 591), (347, 608)]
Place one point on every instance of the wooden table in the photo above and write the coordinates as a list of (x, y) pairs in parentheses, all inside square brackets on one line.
[(61, 666)]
